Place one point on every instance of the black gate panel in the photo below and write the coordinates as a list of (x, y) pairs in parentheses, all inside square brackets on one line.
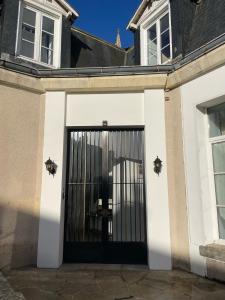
[(105, 203)]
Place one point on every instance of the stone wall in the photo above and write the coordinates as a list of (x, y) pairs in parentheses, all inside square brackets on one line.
[(176, 182), (21, 139)]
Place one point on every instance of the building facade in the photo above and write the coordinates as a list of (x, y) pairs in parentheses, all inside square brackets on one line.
[(133, 140)]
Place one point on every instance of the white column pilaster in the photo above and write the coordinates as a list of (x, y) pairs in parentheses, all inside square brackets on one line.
[(51, 209), (158, 222)]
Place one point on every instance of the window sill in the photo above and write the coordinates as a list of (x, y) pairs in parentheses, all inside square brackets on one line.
[(213, 251), (35, 62)]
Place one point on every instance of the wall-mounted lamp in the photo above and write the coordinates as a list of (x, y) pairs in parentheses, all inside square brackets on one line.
[(157, 165), (51, 166), (104, 123), (196, 1)]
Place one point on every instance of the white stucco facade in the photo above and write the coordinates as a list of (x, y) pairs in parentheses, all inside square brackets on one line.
[(119, 109), (196, 96)]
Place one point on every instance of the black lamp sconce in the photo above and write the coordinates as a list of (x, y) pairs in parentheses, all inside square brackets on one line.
[(157, 165), (196, 1), (51, 166), (104, 123)]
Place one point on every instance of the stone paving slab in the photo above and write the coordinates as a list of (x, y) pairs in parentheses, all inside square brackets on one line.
[(6, 292), (95, 282)]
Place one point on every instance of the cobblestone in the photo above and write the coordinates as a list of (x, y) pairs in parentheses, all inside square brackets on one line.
[(90, 282), (6, 292)]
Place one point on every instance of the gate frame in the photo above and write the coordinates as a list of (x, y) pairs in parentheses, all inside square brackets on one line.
[(70, 129)]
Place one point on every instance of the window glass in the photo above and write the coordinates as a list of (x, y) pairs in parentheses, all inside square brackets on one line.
[(152, 48), (216, 117), (41, 49), (152, 45), (220, 189), (152, 32), (164, 23), (221, 222), (165, 54), (219, 157), (47, 40), (218, 151), (48, 25), (29, 17), (152, 60), (27, 49), (28, 33), (47, 43), (47, 56), (159, 42), (217, 120), (165, 39)]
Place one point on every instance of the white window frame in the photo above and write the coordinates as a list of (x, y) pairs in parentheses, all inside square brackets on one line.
[(211, 142), (151, 19), (40, 12)]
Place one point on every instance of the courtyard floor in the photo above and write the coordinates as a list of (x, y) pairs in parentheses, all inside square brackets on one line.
[(96, 282)]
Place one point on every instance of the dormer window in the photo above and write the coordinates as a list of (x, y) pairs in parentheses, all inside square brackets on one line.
[(158, 41), (39, 36), (155, 28)]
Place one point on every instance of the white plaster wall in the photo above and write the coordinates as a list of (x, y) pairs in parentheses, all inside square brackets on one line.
[(158, 223), (128, 109), (51, 210), (116, 108), (204, 91)]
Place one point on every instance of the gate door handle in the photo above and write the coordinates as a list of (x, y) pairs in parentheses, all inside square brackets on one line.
[(105, 213)]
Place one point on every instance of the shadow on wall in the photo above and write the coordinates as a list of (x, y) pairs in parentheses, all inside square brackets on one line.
[(18, 247), (18, 238)]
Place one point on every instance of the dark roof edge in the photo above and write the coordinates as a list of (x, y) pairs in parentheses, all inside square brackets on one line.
[(73, 28), (106, 71), (213, 44), (20, 68), (112, 71), (84, 72)]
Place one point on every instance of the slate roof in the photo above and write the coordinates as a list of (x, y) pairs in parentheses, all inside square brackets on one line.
[(90, 51)]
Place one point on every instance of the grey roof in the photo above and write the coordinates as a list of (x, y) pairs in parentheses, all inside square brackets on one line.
[(115, 70), (90, 51)]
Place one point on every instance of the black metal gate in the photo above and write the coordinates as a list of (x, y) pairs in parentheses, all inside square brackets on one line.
[(105, 201)]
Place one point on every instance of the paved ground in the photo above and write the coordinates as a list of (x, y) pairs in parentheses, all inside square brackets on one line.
[(112, 283), (6, 292)]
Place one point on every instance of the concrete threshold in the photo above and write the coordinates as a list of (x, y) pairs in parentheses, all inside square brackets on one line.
[(104, 267)]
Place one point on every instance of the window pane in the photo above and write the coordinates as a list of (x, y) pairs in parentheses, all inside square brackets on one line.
[(28, 33), (221, 220), (165, 39), (220, 189), (219, 157), (29, 17), (48, 25), (47, 40), (217, 120), (152, 32), (165, 54), (164, 23), (152, 48), (47, 56), (27, 49), (152, 60)]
